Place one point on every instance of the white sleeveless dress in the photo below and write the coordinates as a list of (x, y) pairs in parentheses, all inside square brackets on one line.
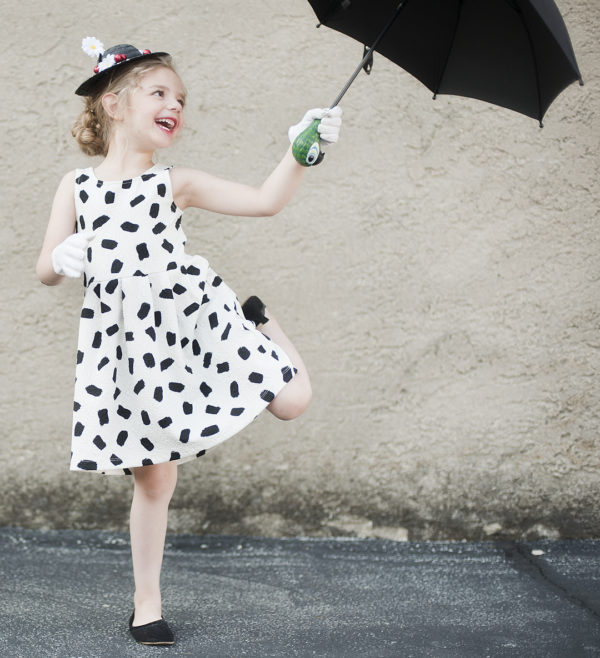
[(167, 365)]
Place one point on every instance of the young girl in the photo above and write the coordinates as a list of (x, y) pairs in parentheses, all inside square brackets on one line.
[(168, 363)]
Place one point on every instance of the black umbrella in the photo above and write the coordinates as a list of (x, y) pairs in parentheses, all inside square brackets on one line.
[(513, 53)]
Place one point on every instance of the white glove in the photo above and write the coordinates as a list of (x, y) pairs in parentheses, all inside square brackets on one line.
[(68, 257), (329, 128)]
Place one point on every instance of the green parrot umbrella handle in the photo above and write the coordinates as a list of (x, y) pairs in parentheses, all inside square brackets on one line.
[(307, 146)]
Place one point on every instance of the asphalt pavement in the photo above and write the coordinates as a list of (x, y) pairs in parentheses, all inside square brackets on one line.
[(67, 594)]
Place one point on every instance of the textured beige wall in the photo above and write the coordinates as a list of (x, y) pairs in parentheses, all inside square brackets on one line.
[(439, 272)]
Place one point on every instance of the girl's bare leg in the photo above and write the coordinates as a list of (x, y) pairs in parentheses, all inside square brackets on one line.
[(154, 486), (294, 397)]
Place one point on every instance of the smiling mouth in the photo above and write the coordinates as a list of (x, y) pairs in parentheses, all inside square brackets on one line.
[(167, 124)]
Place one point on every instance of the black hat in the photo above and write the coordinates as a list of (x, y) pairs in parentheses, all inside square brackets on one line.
[(108, 60)]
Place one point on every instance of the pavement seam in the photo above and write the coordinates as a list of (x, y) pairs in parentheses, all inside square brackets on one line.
[(520, 556)]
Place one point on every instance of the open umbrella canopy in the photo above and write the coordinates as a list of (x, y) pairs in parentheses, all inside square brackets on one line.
[(513, 53)]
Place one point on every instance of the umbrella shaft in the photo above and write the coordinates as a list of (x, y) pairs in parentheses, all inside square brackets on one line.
[(369, 53)]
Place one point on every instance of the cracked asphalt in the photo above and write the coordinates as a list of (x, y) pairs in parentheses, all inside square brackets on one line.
[(67, 594)]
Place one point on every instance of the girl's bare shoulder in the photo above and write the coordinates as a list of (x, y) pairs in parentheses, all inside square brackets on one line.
[(186, 184), (67, 183)]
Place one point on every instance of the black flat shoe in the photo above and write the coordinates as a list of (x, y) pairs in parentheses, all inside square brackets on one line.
[(254, 310), (155, 633)]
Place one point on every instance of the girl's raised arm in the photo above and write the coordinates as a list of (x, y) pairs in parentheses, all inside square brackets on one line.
[(60, 226), (198, 189)]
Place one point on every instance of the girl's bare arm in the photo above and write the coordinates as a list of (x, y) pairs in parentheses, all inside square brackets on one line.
[(60, 226), (198, 189)]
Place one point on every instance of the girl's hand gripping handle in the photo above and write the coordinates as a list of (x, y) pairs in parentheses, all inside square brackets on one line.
[(69, 256), (317, 128)]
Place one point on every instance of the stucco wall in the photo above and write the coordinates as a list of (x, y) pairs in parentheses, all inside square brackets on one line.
[(439, 272)]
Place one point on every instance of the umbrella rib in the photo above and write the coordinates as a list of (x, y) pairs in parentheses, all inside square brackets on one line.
[(443, 71), (535, 63), (331, 7)]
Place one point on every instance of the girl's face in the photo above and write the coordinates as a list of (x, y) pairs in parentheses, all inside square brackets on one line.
[(154, 113)]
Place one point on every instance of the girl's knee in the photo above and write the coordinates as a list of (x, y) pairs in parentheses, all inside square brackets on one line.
[(289, 407), (156, 482)]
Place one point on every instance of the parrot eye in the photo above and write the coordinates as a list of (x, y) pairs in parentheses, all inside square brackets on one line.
[(313, 154)]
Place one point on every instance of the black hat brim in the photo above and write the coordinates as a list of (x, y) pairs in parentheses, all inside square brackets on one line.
[(98, 80)]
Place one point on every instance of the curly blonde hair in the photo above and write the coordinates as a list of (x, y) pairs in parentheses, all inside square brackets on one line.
[(92, 128)]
